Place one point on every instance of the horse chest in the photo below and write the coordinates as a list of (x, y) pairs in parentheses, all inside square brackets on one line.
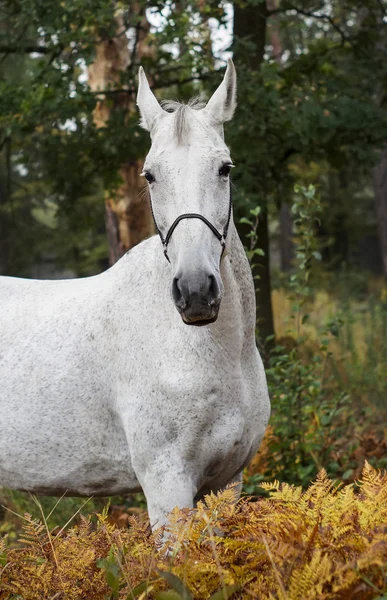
[(203, 421)]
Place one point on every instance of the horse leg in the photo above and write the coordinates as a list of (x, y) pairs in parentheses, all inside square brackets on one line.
[(164, 491)]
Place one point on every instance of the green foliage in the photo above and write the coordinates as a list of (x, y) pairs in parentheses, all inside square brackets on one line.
[(303, 408), (323, 103), (53, 158), (322, 386), (252, 249)]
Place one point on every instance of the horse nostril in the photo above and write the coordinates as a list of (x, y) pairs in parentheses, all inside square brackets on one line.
[(213, 290), (177, 294)]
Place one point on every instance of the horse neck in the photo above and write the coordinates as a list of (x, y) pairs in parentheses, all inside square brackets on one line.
[(239, 293)]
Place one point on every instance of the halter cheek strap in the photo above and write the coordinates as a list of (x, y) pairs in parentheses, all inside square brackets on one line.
[(221, 236)]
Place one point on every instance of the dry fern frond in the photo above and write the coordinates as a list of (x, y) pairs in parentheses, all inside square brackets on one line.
[(327, 543)]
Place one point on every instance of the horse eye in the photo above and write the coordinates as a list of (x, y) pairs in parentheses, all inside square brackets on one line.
[(224, 171), (149, 177)]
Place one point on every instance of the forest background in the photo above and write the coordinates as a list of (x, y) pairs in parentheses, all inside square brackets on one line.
[(309, 188)]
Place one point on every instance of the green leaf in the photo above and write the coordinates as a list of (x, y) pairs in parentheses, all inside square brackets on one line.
[(245, 220), (226, 592), (255, 211), (112, 572), (139, 589), (177, 584), (169, 595), (348, 473), (112, 581)]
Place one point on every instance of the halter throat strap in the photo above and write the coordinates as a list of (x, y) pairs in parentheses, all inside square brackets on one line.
[(220, 236)]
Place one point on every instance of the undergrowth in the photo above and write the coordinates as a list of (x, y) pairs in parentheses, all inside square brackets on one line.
[(325, 543), (327, 373)]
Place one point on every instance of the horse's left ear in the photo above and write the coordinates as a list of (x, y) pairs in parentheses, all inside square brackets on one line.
[(222, 104)]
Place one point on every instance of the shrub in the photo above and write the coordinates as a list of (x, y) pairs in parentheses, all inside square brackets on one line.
[(315, 374)]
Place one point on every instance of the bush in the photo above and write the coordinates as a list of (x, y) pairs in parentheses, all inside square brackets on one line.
[(327, 379)]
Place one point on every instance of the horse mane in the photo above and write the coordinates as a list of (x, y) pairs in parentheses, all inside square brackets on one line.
[(181, 123)]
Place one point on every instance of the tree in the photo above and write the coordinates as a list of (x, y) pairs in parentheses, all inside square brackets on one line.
[(285, 217), (250, 21), (86, 142), (380, 187), (318, 108), (64, 144), (128, 216)]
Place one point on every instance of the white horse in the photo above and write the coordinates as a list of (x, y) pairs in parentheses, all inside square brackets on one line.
[(106, 388)]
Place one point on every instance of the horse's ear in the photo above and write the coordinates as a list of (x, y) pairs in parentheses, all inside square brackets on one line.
[(150, 109), (222, 104)]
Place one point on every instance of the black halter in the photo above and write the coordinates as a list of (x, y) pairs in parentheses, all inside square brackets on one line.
[(221, 236)]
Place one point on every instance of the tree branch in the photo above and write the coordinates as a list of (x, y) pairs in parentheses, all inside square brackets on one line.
[(311, 15), (25, 49), (159, 85)]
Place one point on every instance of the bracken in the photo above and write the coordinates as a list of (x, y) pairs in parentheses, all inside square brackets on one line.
[(328, 542)]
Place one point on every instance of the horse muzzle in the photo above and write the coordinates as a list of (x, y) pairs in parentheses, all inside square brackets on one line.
[(197, 298)]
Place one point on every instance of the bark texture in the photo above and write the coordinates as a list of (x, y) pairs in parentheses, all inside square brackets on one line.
[(286, 235), (128, 216), (376, 21), (285, 217), (380, 188), (250, 22)]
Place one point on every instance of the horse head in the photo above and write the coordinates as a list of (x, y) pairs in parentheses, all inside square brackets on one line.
[(187, 169)]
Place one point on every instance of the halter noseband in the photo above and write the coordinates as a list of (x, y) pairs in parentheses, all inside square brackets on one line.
[(220, 236)]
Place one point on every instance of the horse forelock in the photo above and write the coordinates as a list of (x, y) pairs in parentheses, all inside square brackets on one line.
[(182, 116)]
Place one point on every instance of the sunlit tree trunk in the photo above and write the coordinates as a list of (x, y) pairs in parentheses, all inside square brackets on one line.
[(128, 215), (250, 22)]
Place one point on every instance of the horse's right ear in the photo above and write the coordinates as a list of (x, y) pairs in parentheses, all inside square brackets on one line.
[(150, 109)]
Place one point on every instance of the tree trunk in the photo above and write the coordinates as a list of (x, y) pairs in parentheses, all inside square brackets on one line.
[(250, 22), (128, 216), (374, 20), (6, 221), (285, 217), (286, 235), (265, 322), (4, 228), (380, 188)]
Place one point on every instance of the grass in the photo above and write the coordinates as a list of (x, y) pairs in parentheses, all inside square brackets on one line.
[(357, 333)]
